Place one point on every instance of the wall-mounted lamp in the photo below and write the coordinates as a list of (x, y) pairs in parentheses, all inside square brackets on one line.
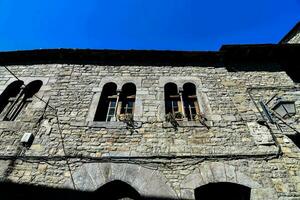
[(284, 108)]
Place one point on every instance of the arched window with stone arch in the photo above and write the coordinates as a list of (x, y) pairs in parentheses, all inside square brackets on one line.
[(127, 99), (16, 97), (222, 190), (172, 99), (116, 190), (182, 103), (107, 105), (114, 103), (190, 102)]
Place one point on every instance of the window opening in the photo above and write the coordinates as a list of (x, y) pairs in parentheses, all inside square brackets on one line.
[(127, 99), (172, 99), (107, 106), (111, 112), (114, 103), (191, 106)]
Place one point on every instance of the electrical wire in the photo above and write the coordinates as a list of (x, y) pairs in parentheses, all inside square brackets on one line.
[(282, 88), (145, 160), (58, 125)]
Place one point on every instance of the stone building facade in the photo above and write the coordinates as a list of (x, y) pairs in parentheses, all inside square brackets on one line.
[(238, 142)]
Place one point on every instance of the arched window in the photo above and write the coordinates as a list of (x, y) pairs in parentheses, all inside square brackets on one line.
[(172, 98), (106, 109), (191, 106), (16, 98), (113, 103), (182, 104), (222, 190), (116, 190), (127, 99)]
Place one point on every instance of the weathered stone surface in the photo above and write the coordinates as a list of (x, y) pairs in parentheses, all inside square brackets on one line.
[(234, 149), (147, 182)]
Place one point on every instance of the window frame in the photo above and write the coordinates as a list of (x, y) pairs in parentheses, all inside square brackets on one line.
[(138, 106), (201, 93)]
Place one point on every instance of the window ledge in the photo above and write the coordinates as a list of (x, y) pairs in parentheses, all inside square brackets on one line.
[(186, 124), (112, 125)]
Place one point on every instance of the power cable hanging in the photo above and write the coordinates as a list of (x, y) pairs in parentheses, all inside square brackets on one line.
[(58, 125)]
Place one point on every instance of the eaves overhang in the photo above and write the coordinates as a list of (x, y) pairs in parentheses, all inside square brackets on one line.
[(228, 54), (110, 57)]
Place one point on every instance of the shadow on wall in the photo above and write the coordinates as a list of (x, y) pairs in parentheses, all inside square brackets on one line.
[(222, 190), (293, 71), (111, 191)]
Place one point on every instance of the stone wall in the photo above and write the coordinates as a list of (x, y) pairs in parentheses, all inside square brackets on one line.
[(295, 39), (234, 149)]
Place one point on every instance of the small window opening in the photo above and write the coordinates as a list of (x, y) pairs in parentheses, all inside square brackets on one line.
[(222, 190), (172, 98), (191, 106), (127, 99), (106, 109)]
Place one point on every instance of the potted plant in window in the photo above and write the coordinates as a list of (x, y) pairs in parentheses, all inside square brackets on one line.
[(173, 118), (178, 115), (126, 118)]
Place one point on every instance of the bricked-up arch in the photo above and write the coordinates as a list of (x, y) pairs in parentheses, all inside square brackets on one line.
[(147, 182), (107, 105), (222, 190), (11, 91), (217, 172)]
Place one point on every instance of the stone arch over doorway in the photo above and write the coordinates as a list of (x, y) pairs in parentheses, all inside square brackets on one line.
[(222, 190), (218, 172), (116, 190), (147, 182)]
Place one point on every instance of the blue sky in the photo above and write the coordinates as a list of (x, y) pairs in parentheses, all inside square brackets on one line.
[(143, 24)]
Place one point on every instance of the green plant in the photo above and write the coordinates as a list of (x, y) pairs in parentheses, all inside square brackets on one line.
[(178, 115), (170, 117), (127, 118), (202, 119)]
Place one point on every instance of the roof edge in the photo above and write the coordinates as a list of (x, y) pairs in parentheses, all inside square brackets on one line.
[(290, 33)]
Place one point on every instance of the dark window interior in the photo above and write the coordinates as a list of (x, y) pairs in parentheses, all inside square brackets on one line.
[(127, 98), (171, 98), (107, 104), (190, 101), (222, 190)]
